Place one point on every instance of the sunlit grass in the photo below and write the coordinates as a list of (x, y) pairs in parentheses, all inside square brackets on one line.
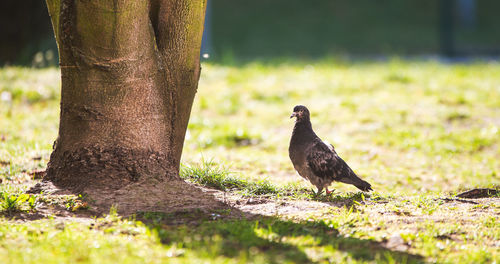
[(422, 125), (211, 174)]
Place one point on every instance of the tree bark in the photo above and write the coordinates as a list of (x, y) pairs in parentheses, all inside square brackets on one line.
[(129, 73)]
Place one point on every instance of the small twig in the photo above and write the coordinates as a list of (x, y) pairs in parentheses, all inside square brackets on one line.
[(478, 193), (457, 200)]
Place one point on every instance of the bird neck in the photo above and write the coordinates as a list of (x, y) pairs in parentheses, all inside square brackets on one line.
[(303, 130)]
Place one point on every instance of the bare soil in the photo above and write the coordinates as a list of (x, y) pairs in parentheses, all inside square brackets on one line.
[(187, 200)]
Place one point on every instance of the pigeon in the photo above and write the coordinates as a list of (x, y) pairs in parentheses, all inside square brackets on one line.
[(316, 160)]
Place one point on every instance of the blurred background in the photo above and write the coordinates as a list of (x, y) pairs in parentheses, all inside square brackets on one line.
[(267, 29)]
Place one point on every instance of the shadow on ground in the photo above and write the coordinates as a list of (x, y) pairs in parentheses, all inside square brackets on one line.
[(264, 238), (219, 227)]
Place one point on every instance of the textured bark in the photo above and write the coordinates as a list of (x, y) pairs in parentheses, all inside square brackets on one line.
[(129, 72)]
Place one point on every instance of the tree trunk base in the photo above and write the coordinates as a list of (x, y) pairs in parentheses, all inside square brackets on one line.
[(130, 180), (110, 169)]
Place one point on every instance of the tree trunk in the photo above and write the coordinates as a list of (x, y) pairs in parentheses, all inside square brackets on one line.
[(129, 72)]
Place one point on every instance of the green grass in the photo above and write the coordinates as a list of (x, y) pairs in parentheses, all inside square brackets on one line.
[(418, 131), (211, 174), (111, 239), (14, 201)]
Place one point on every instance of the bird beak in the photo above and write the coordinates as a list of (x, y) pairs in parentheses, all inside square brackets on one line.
[(294, 114)]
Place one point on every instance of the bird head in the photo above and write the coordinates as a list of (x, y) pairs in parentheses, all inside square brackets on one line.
[(300, 112)]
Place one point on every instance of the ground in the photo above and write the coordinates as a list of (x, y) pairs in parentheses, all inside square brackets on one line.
[(419, 131)]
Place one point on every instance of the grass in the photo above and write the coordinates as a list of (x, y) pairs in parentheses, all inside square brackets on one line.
[(211, 174), (418, 131), (12, 201)]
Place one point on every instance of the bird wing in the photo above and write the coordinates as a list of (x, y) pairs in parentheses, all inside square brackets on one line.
[(322, 160), (325, 163)]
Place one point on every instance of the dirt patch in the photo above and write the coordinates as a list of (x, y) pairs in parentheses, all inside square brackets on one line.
[(179, 202), (158, 196), (269, 206), (177, 198), (152, 194), (37, 174)]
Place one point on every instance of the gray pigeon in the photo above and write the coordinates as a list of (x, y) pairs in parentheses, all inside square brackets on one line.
[(315, 160)]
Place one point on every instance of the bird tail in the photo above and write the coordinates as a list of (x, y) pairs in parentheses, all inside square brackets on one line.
[(352, 178)]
